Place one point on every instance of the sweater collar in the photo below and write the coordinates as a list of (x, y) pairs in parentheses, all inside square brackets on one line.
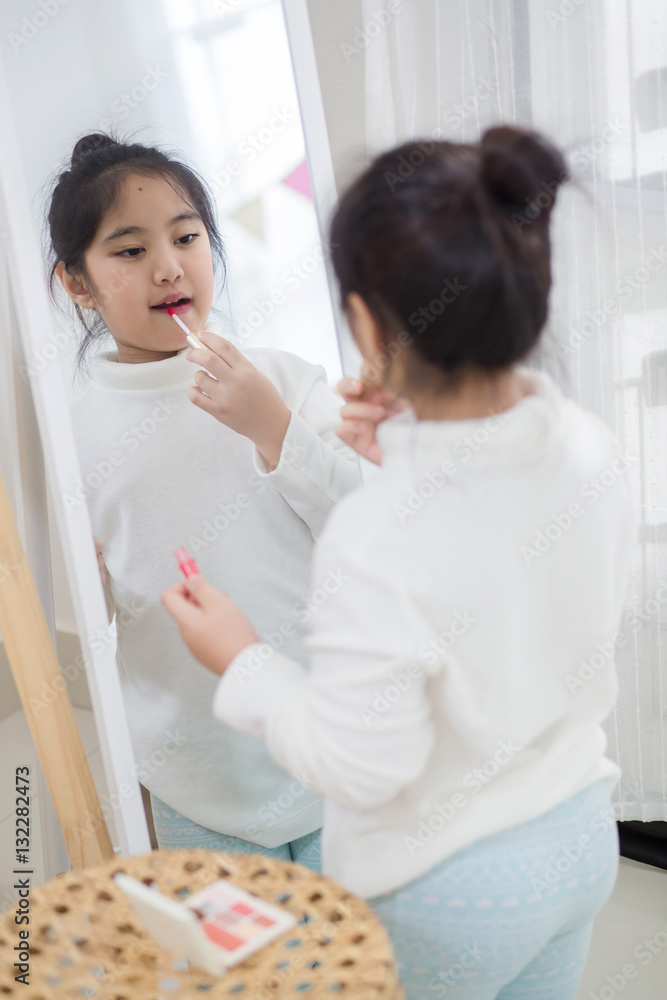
[(525, 432), (170, 373)]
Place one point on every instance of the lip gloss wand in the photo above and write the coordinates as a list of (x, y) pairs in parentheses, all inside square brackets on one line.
[(191, 338), (187, 566), (186, 563)]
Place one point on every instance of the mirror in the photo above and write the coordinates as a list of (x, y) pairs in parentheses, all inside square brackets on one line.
[(212, 82)]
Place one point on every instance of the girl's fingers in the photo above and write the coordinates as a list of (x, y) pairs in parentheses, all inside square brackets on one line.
[(209, 360), (204, 402), (354, 432), (363, 411), (196, 592), (349, 386), (180, 604), (354, 388), (380, 394), (361, 440), (375, 392), (174, 599), (347, 434), (224, 349), (206, 382), (198, 589)]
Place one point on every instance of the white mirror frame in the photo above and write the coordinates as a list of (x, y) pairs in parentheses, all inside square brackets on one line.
[(318, 153), (56, 441)]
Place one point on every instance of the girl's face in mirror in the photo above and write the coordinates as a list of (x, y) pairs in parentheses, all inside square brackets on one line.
[(152, 248)]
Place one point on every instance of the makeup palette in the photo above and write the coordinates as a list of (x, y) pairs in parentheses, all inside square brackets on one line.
[(216, 928)]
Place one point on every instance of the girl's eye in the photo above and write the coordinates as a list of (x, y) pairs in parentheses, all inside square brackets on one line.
[(131, 252), (186, 240)]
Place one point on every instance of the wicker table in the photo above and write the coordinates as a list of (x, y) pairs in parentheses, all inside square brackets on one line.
[(86, 942)]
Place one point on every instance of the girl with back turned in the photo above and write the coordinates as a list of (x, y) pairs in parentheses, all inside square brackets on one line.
[(460, 764)]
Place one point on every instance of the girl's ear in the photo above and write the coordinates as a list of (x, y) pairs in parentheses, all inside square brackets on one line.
[(75, 287)]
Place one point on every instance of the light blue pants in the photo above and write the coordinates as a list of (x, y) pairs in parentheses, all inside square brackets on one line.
[(174, 833), (510, 917)]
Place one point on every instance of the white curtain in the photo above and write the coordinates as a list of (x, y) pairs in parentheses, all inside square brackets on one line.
[(591, 74)]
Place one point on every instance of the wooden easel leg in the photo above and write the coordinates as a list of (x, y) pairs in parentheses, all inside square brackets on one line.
[(34, 664)]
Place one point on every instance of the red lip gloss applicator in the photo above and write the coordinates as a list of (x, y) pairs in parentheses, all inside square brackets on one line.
[(191, 338), (186, 563)]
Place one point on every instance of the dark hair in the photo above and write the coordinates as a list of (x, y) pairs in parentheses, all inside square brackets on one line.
[(450, 242), (84, 193)]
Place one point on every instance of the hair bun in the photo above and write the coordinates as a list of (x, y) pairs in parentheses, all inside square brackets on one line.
[(89, 144), (518, 165)]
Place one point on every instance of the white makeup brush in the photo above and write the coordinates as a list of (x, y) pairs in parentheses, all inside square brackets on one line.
[(192, 340)]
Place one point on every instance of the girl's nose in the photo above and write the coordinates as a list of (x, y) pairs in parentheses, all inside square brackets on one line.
[(167, 267)]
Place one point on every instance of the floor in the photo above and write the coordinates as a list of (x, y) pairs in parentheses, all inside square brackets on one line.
[(628, 954)]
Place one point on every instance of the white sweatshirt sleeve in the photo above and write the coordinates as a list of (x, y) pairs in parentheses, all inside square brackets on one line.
[(316, 469), (322, 725)]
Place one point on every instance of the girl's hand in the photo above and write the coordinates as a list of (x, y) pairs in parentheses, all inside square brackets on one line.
[(366, 405), (212, 626), (239, 396)]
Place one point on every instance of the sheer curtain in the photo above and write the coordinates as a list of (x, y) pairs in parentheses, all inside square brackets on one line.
[(593, 76)]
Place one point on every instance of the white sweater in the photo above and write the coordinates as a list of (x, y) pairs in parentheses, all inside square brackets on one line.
[(459, 673), (161, 473)]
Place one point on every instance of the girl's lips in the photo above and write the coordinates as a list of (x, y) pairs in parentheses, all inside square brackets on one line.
[(177, 307)]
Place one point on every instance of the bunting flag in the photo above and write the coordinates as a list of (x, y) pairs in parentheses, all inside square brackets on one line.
[(299, 180)]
